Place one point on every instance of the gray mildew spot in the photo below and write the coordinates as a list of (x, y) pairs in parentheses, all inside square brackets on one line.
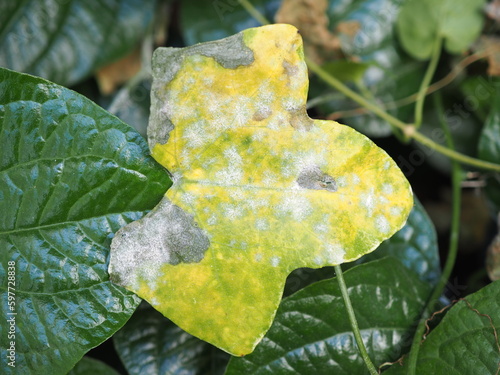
[(313, 178), (165, 235), (230, 53)]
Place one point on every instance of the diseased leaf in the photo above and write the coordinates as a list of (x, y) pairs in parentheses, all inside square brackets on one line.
[(91, 366), (65, 41), (259, 189), (465, 341), (312, 334), (71, 175), (414, 245), (150, 344), (422, 22)]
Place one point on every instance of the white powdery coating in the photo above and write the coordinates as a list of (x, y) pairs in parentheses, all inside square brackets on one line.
[(321, 228), (255, 204), (188, 198), (291, 104), (387, 189), (269, 178), (295, 205), (382, 224), (334, 254), (355, 179), (212, 220), (232, 211), (387, 164), (277, 121), (258, 257), (233, 156), (151, 256), (261, 224), (396, 211), (237, 194), (368, 201), (299, 80), (233, 173), (258, 135), (195, 134), (275, 261)]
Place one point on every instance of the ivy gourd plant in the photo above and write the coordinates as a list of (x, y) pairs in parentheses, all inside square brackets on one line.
[(244, 199)]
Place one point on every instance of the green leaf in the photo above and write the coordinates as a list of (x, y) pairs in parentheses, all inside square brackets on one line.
[(312, 334), (151, 344), (91, 366), (70, 176), (466, 340), (422, 22), (415, 245), (259, 189), (65, 41), (489, 149)]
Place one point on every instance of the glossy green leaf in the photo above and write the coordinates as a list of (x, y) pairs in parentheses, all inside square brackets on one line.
[(465, 341), (311, 333), (70, 176), (415, 245), (489, 149), (259, 189), (91, 366), (65, 41), (150, 344), (422, 22)]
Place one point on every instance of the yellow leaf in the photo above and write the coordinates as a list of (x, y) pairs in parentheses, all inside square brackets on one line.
[(259, 189)]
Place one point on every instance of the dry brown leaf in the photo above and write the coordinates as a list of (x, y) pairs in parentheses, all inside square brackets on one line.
[(111, 76), (309, 16), (492, 45)]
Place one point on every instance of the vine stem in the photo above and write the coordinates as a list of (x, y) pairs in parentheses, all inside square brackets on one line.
[(424, 86), (457, 176), (354, 322)]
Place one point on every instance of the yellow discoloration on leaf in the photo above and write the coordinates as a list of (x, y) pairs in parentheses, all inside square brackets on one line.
[(241, 142)]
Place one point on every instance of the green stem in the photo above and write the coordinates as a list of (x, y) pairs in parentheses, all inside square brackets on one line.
[(254, 12), (354, 323), (452, 252), (431, 69)]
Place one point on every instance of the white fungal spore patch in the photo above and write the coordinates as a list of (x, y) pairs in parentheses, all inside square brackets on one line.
[(296, 206), (195, 134), (355, 179), (396, 211), (382, 224), (275, 261), (261, 224), (334, 253), (387, 189), (232, 211), (368, 201)]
